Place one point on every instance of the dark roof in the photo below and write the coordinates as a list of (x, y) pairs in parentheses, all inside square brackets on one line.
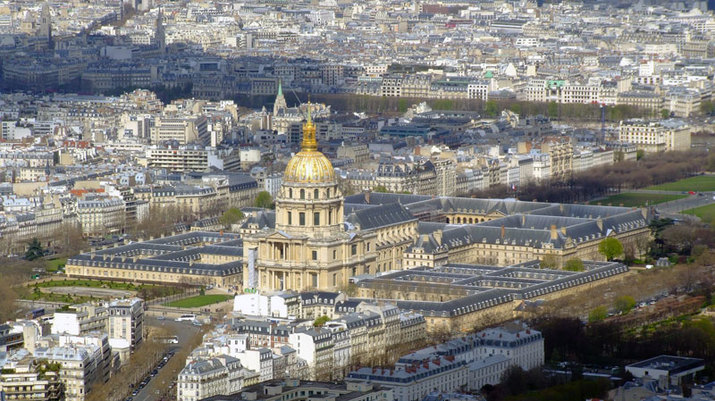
[(380, 216)]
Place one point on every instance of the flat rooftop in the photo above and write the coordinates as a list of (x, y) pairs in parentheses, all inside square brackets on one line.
[(674, 365)]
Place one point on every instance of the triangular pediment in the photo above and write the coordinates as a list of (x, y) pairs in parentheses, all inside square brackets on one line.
[(278, 234)]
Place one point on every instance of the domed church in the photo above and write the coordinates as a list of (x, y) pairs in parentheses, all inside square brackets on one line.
[(308, 247)]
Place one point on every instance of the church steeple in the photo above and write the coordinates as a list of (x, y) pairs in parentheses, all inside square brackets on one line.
[(280, 105)]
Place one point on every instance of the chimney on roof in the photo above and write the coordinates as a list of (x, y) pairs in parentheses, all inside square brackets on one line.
[(503, 231), (599, 223), (563, 230), (554, 233), (367, 197), (438, 236)]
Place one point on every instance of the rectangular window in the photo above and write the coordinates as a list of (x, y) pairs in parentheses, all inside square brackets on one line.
[(290, 218), (353, 249), (335, 254), (315, 255), (316, 218), (301, 218)]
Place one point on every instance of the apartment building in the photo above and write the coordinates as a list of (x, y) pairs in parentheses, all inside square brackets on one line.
[(560, 158), (294, 389), (414, 382), (203, 378), (31, 379), (183, 159), (315, 347), (183, 130), (100, 216), (78, 368), (125, 320), (80, 319), (655, 136), (358, 152)]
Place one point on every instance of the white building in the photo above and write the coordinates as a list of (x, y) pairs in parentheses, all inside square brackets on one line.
[(78, 368), (258, 360), (273, 305), (315, 347), (80, 320), (414, 382), (208, 377), (655, 136), (126, 320)]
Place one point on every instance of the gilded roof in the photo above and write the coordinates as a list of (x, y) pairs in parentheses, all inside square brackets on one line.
[(309, 166)]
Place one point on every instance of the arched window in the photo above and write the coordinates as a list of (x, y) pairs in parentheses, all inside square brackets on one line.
[(315, 194), (290, 192), (302, 194), (327, 193)]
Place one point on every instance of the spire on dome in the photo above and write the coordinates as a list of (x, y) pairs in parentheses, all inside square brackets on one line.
[(309, 141)]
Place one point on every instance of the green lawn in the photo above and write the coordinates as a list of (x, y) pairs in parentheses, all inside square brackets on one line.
[(706, 213), (54, 264), (637, 199), (700, 183), (198, 301)]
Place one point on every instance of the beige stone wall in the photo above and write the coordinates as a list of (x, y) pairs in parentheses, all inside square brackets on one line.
[(508, 254), (102, 273), (476, 320)]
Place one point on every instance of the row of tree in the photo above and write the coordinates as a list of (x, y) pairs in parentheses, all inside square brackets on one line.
[(649, 170)]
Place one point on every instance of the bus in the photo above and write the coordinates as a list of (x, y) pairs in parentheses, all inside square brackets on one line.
[(169, 340), (35, 313), (186, 317)]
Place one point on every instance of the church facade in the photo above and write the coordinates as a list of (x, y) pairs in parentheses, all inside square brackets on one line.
[(309, 246)]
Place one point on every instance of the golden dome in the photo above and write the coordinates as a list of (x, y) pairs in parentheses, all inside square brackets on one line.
[(309, 166)]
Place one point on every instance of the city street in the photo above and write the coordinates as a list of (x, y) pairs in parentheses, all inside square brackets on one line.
[(158, 384), (690, 202)]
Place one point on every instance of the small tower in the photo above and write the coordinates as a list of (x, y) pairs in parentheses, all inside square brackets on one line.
[(280, 105), (45, 27), (159, 34)]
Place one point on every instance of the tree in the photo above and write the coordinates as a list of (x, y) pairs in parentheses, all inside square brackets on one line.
[(610, 248), (548, 262), (231, 216), (34, 250), (597, 314), (624, 303), (345, 186), (707, 107), (552, 110), (68, 240), (491, 109), (264, 200), (380, 188), (7, 301), (319, 322), (515, 107), (680, 238), (665, 113), (574, 265)]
